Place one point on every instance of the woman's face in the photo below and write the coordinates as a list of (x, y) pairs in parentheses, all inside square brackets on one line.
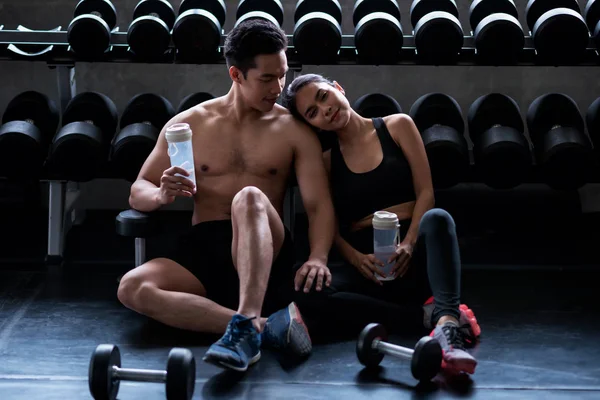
[(323, 106)]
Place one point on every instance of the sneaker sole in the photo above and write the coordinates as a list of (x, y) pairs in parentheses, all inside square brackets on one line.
[(457, 367), (298, 332), (252, 361)]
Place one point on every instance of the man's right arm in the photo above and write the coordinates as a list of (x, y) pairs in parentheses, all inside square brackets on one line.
[(145, 192)]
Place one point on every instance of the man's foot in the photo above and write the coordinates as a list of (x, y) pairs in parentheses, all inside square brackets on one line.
[(238, 348), (455, 360), (285, 330), (469, 327)]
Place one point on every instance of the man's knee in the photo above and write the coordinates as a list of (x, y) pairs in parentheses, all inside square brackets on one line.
[(437, 220), (134, 293), (249, 200)]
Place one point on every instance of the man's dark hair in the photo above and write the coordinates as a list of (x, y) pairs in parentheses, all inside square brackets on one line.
[(288, 97), (251, 38)]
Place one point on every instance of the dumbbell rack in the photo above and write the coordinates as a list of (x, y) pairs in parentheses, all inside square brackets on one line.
[(58, 55)]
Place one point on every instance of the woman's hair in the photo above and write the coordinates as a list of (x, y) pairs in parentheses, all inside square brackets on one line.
[(288, 98)]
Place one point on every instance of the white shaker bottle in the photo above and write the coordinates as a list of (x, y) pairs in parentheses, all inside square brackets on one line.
[(386, 236), (179, 139)]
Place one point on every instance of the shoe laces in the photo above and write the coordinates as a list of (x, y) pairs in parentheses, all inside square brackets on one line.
[(454, 336), (236, 331)]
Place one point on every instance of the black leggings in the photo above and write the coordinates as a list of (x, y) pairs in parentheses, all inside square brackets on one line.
[(435, 270)]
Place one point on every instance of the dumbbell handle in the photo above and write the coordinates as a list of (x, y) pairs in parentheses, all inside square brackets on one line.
[(139, 375), (393, 350)]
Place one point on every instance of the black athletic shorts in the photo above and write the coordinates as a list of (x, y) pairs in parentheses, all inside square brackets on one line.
[(205, 251)]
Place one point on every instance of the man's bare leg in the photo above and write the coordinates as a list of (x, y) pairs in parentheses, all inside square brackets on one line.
[(258, 235), (165, 291)]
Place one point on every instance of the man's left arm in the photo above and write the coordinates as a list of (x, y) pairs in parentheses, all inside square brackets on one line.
[(316, 197)]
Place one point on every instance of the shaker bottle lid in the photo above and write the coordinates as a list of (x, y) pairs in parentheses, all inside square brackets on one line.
[(178, 133), (385, 220)]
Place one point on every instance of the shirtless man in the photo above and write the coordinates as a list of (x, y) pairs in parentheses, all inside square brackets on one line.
[(236, 263)]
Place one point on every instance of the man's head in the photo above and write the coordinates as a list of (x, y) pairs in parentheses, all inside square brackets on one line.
[(255, 55)]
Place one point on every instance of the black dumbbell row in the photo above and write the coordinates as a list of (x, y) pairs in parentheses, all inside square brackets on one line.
[(87, 146), (558, 32)]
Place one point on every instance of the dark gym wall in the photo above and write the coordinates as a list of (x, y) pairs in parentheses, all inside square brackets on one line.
[(405, 83)]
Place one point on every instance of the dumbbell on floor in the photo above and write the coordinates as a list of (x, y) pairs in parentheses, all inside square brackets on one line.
[(105, 373), (438, 33), (271, 10), (29, 123), (318, 30), (149, 35), (378, 34), (498, 34), (198, 28), (425, 359), (560, 34), (89, 32)]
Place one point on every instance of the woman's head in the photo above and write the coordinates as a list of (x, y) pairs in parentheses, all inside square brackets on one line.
[(318, 101)]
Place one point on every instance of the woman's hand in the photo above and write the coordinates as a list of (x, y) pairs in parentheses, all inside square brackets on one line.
[(368, 265), (402, 259)]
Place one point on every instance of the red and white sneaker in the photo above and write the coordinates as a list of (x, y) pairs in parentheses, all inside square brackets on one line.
[(455, 360), (469, 328)]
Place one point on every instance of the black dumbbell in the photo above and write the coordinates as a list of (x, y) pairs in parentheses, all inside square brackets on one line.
[(438, 33), (498, 34), (318, 30), (198, 28), (559, 32), (271, 10), (193, 100), (592, 117), (105, 373), (378, 34), (376, 105), (89, 32), (29, 123), (591, 14), (149, 34), (425, 359), (500, 149), (563, 152), (141, 122), (80, 149), (439, 119)]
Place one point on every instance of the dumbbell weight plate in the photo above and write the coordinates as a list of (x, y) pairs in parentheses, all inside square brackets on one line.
[(499, 38), (373, 105), (592, 117), (536, 8), (271, 7), (439, 37), (162, 8), (420, 8), (367, 355), (362, 8), (34, 106), (258, 14), (131, 148), (215, 7), (549, 110), (591, 14), (181, 374), (147, 107), (95, 107), (330, 7), (100, 377), (481, 9), (105, 8), (427, 359), (317, 37), (197, 33), (379, 38), (561, 34), (193, 100), (149, 36), (490, 110)]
